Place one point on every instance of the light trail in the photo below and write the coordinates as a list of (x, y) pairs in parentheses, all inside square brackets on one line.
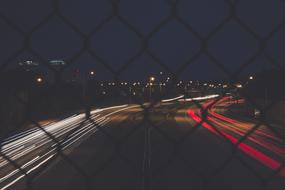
[(271, 147), (173, 99), (180, 98), (23, 144), (242, 128), (200, 98), (226, 125)]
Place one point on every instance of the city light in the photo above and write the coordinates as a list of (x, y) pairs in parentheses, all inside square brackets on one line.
[(239, 86), (251, 78), (39, 79), (92, 73), (152, 79)]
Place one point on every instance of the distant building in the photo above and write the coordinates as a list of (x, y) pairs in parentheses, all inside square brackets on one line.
[(57, 63), (28, 65)]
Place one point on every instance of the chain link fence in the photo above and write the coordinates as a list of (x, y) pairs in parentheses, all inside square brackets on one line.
[(75, 103)]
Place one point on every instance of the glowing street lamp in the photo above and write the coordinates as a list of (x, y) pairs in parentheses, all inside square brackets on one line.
[(92, 73), (251, 78), (152, 79), (39, 80)]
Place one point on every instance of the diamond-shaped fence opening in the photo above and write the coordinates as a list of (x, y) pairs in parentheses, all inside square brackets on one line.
[(26, 18), (142, 94), (115, 33), (212, 15), (79, 13), (134, 13), (186, 42)]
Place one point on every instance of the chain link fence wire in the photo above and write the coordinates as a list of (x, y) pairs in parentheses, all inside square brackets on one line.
[(30, 106)]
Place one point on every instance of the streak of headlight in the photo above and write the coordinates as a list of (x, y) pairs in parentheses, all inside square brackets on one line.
[(17, 155), (52, 127), (172, 99), (22, 167), (31, 148), (35, 159), (21, 176), (108, 108), (200, 98)]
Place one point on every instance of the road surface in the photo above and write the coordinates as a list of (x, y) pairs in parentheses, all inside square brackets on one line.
[(166, 147)]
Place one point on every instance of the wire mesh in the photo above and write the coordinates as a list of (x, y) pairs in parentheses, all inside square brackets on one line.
[(144, 132)]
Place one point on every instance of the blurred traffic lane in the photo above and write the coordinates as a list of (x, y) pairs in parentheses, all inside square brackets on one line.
[(113, 157), (32, 148), (262, 144)]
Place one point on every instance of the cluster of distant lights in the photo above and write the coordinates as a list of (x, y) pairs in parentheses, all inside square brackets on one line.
[(40, 80), (152, 82), (181, 83)]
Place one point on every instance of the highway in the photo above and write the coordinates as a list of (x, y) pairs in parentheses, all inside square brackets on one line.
[(124, 147), (31, 149)]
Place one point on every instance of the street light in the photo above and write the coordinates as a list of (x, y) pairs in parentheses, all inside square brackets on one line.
[(39, 80), (251, 78), (151, 80), (92, 73), (239, 85)]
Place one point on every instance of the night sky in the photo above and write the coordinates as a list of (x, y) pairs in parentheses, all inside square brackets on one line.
[(114, 43)]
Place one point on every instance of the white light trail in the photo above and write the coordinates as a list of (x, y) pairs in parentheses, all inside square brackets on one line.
[(20, 145), (172, 99), (200, 98)]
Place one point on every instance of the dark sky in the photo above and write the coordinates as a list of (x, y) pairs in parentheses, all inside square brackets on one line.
[(114, 43)]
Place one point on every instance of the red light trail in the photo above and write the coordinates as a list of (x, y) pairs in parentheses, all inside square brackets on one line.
[(224, 126)]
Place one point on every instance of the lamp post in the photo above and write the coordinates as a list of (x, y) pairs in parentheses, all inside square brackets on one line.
[(151, 81), (85, 94), (39, 80), (92, 73)]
